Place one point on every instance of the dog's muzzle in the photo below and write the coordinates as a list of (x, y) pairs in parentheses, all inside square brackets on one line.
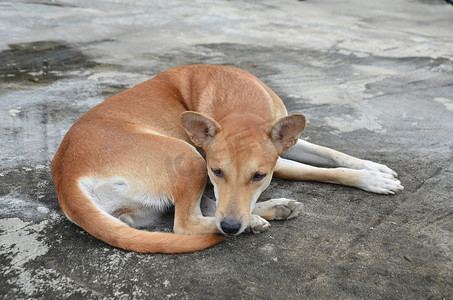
[(230, 227)]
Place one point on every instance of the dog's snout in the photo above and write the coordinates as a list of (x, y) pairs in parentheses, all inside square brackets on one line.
[(230, 226)]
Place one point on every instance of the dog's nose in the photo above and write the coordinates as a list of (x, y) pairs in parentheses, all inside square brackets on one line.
[(230, 226)]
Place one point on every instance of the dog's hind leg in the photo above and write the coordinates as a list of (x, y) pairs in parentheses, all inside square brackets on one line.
[(368, 180), (312, 154)]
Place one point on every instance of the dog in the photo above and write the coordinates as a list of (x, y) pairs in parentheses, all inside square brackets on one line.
[(152, 147)]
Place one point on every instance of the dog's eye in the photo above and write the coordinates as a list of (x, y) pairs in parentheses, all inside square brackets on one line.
[(217, 172), (258, 176)]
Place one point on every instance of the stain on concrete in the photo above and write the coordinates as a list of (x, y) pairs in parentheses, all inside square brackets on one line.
[(434, 2), (41, 62)]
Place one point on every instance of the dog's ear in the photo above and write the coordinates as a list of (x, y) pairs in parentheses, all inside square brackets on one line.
[(199, 127), (285, 132)]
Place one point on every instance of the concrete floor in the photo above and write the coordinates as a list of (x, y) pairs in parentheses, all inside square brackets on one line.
[(374, 78)]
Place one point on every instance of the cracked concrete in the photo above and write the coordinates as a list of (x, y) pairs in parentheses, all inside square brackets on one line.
[(373, 78)]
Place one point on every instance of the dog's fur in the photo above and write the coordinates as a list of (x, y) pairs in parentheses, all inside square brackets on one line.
[(138, 153)]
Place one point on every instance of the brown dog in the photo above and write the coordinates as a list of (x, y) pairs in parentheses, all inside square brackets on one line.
[(133, 156)]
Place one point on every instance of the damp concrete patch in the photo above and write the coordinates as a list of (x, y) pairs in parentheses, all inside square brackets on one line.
[(41, 62), (33, 104)]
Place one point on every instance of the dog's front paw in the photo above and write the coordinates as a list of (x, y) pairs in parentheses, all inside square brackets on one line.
[(287, 209), (257, 224), (278, 209)]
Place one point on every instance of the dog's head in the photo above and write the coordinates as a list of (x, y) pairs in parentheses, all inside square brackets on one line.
[(241, 154)]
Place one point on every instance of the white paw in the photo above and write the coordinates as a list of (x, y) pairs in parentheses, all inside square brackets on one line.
[(257, 224), (286, 209), (370, 165), (379, 182)]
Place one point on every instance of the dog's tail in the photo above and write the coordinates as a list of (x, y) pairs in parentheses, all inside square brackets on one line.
[(81, 210)]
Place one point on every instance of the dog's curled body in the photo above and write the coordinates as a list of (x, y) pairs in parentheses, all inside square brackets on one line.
[(138, 152)]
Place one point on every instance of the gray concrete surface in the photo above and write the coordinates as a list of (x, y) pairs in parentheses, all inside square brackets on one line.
[(374, 78)]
